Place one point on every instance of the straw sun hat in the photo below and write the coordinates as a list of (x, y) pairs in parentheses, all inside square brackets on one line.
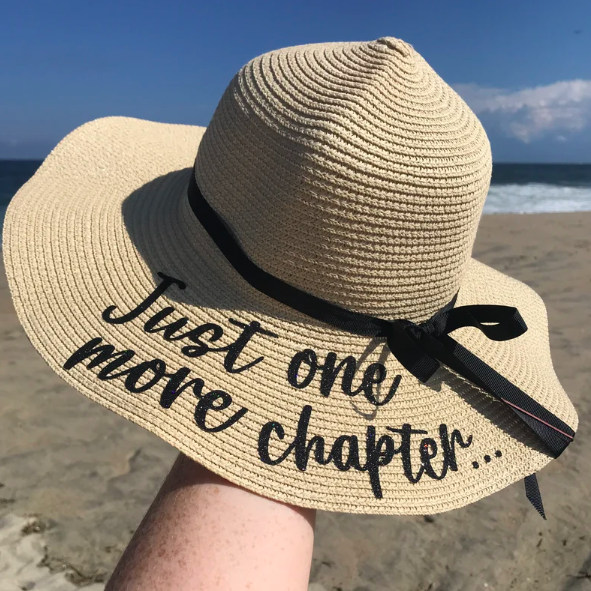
[(279, 308)]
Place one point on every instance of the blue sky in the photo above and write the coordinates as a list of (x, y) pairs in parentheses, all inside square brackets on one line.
[(523, 65)]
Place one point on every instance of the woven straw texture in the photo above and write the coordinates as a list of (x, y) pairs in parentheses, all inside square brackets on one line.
[(367, 138), (350, 170)]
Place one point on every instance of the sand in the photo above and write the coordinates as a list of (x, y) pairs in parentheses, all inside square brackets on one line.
[(76, 479), (23, 555)]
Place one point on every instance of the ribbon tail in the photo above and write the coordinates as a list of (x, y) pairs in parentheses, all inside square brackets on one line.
[(532, 492), (549, 429)]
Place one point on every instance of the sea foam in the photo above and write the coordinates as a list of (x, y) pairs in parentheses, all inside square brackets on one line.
[(536, 198)]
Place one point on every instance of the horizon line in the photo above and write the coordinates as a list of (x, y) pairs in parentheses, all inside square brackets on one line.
[(494, 162)]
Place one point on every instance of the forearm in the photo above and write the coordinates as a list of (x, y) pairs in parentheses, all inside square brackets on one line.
[(203, 533)]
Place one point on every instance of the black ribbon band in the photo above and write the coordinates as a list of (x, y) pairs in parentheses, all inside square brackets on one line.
[(420, 348)]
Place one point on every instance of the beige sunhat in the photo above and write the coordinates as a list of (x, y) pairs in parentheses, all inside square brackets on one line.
[(279, 313)]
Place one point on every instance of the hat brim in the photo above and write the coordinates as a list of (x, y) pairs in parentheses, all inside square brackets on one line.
[(107, 211)]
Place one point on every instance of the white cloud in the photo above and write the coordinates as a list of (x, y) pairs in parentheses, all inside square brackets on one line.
[(530, 113)]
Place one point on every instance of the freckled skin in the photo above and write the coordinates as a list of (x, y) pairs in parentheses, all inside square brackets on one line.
[(203, 533)]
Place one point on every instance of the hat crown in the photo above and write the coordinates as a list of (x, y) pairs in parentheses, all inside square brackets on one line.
[(352, 171)]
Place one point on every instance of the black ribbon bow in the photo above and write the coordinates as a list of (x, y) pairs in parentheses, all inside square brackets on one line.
[(420, 348)]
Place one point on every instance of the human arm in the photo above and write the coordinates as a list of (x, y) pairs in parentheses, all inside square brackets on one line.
[(204, 533)]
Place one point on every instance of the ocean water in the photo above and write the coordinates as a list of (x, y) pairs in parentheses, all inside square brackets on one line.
[(539, 188), (515, 188), (13, 174)]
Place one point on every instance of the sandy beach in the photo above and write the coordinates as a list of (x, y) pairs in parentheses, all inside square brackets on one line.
[(75, 479)]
